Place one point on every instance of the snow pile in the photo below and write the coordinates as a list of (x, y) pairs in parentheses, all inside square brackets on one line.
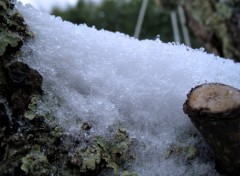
[(111, 80)]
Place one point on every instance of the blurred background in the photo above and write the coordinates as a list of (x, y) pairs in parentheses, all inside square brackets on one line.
[(211, 24)]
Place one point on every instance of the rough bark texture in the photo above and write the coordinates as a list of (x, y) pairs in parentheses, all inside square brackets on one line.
[(215, 23), (215, 110)]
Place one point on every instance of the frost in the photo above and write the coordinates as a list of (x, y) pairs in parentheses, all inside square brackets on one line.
[(111, 81)]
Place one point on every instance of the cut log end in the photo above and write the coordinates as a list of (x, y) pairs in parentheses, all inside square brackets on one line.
[(216, 98), (215, 110)]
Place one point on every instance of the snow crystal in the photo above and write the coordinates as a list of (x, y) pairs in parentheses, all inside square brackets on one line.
[(111, 79)]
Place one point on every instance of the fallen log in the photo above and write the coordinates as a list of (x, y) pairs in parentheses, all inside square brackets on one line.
[(215, 110)]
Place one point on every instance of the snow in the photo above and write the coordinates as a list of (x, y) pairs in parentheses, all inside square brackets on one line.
[(112, 80)]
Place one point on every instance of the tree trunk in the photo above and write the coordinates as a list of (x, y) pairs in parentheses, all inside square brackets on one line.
[(215, 23), (215, 110)]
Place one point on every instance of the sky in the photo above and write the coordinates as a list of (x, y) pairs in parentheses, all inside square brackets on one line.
[(46, 5)]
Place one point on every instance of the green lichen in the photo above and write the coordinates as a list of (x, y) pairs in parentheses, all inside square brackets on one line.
[(12, 27), (57, 132), (36, 163), (3, 5), (223, 10), (29, 115), (31, 112), (191, 152), (187, 152), (102, 153), (8, 39), (127, 173)]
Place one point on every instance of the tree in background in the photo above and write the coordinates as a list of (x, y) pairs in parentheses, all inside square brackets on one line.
[(115, 15), (215, 23)]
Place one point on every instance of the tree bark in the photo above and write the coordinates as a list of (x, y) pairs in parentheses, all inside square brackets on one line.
[(215, 23), (215, 110)]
